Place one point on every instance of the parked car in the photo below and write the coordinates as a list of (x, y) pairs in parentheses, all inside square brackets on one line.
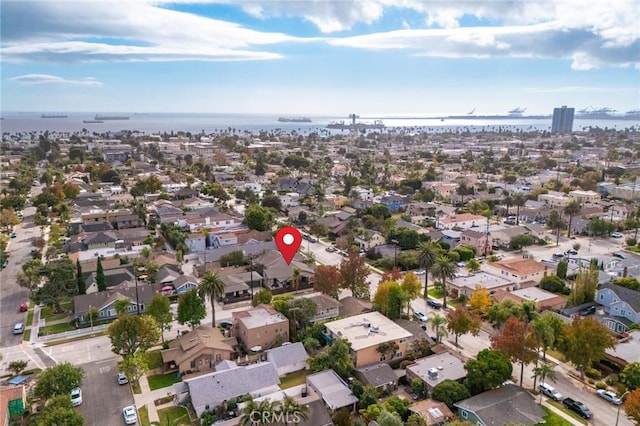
[(590, 310), (434, 304), (129, 414), (18, 328), (419, 316), (14, 235), (76, 397), (24, 307), (619, 255), (572, 252), (550, 391), (609, 396), (122, 379), (617, 234), (577, 407), (419, 272), (330, 249)]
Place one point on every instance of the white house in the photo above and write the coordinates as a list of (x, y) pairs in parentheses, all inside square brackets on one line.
[(288, 358), (463, 221)]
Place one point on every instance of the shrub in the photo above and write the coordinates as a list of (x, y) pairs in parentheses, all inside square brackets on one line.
[(591, 381), (612, 380), (601, 385), (592, 373), (631, 241), (405, 363)]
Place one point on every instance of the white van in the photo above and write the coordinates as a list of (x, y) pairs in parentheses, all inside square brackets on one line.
[(550, 391)]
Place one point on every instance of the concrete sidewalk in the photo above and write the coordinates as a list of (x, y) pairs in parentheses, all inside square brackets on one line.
[(562, 414), (147, 397)]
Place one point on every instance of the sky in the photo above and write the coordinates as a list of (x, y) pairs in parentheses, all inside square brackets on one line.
[(319, 57)]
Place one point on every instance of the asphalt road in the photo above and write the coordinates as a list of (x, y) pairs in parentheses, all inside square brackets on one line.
[(102, 398), (11, 294)]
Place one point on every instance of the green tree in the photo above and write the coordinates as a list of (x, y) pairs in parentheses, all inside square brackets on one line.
[(555, 222), (630, 375), (488, 371), (385, 418), (60, 379), (263, 296), (211, 286), (100, 278), (444, 269), (132, 333), (254, 413), (191, 309), (410, 288), (472, 265), (258, 218), (498, 313), (571, 209), (336, 357), (450, 392), (428, 252), (544, 371), (561, 269), (388, 299), (438, 325), (518, 200), (585, 285), (518, 242), (59, 411), (585, 342), (462, 321), (134, 366), (122, 306), (82, 288), (388, 349), (160, 310), (18, 366), (553, 283)]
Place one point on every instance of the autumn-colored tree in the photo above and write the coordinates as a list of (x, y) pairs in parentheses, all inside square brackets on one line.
[(462, 321), (410, 288), (585, 342), (393, 275), (354, 272), (632, 405), (480, 300), (327, 279), (388, 299), (514, 343)]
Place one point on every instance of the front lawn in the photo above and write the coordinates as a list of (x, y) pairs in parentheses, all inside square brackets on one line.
[(47, 313), (568, 412), (171, 414), (553, 419), (436, 293), (27, 335), (294, 379), (29, 322), (143, 416), (154, 359), (160, 381), (55, 329)]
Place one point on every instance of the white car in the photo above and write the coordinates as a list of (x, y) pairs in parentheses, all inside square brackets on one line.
[(76, 397), (420, 316), (129, 414), (609, 396), (122, 379), (18, 328), (617, 234), (420, 272)]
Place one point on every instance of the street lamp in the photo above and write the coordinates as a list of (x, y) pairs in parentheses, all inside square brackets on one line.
[(621, 399)]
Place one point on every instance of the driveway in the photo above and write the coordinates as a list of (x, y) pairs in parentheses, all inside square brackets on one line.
[(103, 399)]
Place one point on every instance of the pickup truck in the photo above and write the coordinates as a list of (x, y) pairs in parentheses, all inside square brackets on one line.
[(577, 407)]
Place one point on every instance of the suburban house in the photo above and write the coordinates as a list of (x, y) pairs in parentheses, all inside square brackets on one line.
[(196, 242), (288, 358), (104, 301), (237, 284), (327, 307), (260, 328), (506, 404), (479, 240), (209, 391), (463, 221), (626, 350), (543, 299), (333, 391), (434, 412), (366, 332), (112, 278), (466, 284), (199, 350), (278, 275), (181, 284), (621, 306), (370, 240), (13, 402), (380, 376), (437, 368), (591, 197), (519, 270)]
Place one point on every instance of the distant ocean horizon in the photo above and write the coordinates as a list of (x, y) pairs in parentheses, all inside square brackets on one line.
[(148, 123)]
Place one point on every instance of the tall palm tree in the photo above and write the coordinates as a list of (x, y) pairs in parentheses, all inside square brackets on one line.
[(571, 210), (428, 251), (518, 201), (445, 269), (507, 200), (293, 411), (295, 278), (211, 286), (544, 371), (257, 413), (438, 325)]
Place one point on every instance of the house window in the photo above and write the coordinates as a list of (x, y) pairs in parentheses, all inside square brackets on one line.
[(623, 312), (218, 357), (602, 297), (193, 364), (464, 414), (383, 358)]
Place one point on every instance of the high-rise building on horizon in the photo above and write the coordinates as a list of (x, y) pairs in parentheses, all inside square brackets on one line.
[(562, 120)]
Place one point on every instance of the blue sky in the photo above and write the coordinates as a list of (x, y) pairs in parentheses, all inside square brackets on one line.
[(324, 57)]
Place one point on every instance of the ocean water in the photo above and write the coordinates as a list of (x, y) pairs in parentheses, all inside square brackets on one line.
[(21, 122)]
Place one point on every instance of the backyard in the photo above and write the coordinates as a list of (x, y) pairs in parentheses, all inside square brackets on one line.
[(160, 381), (294, 379)]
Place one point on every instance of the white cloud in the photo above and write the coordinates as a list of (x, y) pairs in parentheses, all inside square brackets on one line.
[(40, 79), (578, 89)]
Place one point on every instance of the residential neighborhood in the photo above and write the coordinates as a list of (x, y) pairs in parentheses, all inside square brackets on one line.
[(440, 279)]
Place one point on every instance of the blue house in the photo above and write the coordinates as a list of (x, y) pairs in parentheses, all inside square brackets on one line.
[(621, 306)]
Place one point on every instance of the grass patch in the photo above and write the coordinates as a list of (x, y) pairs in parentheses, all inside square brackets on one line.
[(143, 416), (154, 359), (160, 381), (294, 379), (26, 336), (568, 412), (557, 355), (436, 293), (75, 339), (55, 329), (30, 318), (169, 415), (47, 314), (553, 419), (136, 388)]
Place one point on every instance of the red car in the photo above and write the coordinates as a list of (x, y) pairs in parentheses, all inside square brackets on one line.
[(24, 307)]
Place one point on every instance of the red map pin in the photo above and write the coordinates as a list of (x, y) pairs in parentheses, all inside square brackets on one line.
[(288, 240)]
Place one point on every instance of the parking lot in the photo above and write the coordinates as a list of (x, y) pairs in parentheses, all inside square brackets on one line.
[(103, 399)]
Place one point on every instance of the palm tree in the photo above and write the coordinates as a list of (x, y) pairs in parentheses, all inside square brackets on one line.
[(438, 325), (571, 210), (428, 251), (211, 286), (444, 269), (507, 200), (518, 201), (295, 278), (257, 413), (292, 411), (544, 371)]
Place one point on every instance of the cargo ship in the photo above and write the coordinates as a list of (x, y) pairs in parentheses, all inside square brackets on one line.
[(354, 125), (111, 117), (294, 119), (53, 116)]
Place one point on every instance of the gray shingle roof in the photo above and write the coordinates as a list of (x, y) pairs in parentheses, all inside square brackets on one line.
[(335, 393), (632, 297), (509, 403), (287, 355)]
